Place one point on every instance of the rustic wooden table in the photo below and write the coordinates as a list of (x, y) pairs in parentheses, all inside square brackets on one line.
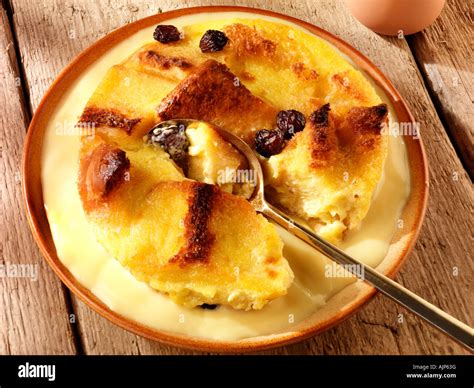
[(433, 70)]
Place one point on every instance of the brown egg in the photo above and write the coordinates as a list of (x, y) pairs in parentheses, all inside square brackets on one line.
[(396, 17)]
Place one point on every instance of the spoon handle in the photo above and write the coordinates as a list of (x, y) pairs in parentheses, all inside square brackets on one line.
[(456, 329)]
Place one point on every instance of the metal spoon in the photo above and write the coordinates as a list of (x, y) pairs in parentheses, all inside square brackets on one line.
[(456, 329)]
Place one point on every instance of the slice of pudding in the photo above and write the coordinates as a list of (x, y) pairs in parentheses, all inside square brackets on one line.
[(193, 241), (328, 172)]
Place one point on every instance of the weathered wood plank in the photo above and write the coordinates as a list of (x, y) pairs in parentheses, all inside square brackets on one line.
[(46, 47), (444, 52), (33, 314)]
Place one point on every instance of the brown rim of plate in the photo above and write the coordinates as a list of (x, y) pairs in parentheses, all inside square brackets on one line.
[(403, 241)]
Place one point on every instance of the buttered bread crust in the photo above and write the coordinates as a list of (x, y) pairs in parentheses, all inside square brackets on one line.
[(196, 241)]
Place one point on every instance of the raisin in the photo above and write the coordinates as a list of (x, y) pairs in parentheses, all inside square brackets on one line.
[(166, 33), (212, 41), (269, 142), (173, 140), (290, 122), (206, 306)]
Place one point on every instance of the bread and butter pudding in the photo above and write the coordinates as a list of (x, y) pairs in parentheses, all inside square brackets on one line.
[(187, 239), (315, 121)]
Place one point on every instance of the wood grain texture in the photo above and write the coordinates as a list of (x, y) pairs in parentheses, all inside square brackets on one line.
[(47, 43), (33, 314), (445, 54)]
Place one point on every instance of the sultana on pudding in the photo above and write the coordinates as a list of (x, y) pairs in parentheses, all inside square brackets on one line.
[(153, 194)]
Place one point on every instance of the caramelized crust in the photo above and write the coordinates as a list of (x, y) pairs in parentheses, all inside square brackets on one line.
[(362, 126), (214, 94), (303, 72), (245, 41), (320, 117), (198, 238), (97, 117), (155, 59), (356, 133), (323, 141)]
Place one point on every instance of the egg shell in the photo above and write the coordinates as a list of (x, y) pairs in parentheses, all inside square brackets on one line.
[(396, 17)]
